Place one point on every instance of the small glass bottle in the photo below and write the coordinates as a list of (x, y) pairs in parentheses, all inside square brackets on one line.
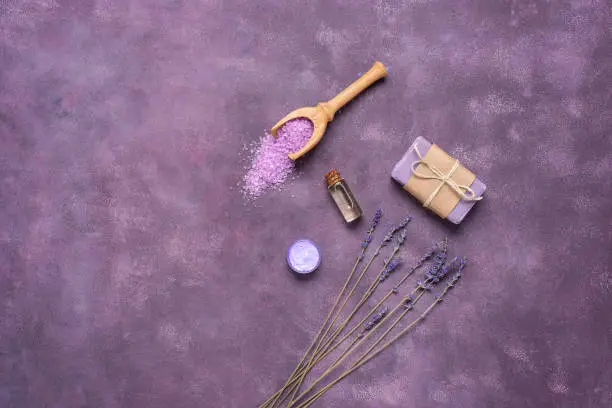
[(343, 197)]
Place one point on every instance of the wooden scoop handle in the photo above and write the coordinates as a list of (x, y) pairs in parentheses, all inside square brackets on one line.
[(375, 73)]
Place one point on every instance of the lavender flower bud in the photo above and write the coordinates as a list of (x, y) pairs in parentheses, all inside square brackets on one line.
[(437, 247), (377, 217), (402, 237), (435, 274), (373, 223), (456, 265), (389, 235), (405, 221), (394, 228), (391, 266), (376, 318), (428, 254), (459, 265)]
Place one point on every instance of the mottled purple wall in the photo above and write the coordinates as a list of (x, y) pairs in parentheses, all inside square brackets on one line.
[(133, 274)]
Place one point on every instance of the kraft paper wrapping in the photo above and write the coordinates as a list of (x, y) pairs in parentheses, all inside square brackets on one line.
[(444, 198)]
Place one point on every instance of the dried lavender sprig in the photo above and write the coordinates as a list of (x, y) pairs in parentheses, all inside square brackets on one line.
[(376, 318), (392, 265), (370, 232), (440, 256), (365, 357), (394, 228)]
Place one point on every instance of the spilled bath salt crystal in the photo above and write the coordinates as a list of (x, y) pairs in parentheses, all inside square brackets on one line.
[(270, 166)]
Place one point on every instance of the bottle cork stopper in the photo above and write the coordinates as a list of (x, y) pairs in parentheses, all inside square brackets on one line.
[(333, 177)]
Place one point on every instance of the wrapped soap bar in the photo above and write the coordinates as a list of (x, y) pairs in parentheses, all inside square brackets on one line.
[(438, 181)]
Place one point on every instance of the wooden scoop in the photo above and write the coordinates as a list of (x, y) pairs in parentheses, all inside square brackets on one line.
[(324, 112)]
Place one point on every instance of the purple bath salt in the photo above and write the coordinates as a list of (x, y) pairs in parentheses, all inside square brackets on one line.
[(270, 166)]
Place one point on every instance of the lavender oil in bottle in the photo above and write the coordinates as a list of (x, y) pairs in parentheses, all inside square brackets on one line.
[(343, 197)]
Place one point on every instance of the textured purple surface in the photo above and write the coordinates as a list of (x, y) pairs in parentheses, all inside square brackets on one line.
[(134, 275)]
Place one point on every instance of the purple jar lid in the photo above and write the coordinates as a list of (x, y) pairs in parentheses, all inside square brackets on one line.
[(303, 257)]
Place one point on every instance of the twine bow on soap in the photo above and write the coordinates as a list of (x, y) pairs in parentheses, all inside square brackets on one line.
[(463, 191)]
